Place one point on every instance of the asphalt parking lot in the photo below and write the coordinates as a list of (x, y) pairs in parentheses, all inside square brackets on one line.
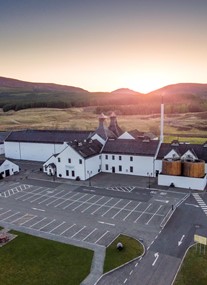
[(88, 214)]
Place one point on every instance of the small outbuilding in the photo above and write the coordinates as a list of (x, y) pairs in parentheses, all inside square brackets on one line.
[(7, 168)]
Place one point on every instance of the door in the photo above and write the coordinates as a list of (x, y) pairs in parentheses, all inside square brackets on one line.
[(113, 169), (7, 172)]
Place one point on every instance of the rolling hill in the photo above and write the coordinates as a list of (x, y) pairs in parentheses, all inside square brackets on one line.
[(179, 98)]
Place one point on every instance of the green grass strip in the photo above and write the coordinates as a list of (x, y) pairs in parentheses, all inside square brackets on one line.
[(32, 260), (194, 268), (114, 258)]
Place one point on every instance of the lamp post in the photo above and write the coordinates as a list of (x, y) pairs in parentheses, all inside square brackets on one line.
[(89, 179)]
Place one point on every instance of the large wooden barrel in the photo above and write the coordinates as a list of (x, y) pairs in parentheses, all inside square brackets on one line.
[(194, 168), (171, 166)]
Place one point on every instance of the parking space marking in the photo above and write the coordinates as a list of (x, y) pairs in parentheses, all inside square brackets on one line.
[(57, 227), (101, 206), (58, 198), (101, 237), (45, 200), (147, 223), (5, 212), (47, 225), (10, 216), (78, 232), (131, 211), (15, 190), (142, 213), (32, 217), (67, 229), (92, 204), (83, 203), (111, 207), (89, 234), (74, 201), (121, 209), (36, 223), (14, 221)]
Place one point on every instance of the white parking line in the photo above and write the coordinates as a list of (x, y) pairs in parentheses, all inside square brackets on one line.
[(92, 204), (68, 199), (74, 201), (89, 234), (19, 218), (58, 198), (142, 213), (47, 225), (121, 209), (39, 197), (101, 206), (45, 200), (10, 216), (111, 207), (153, 215), (28, 220), (83, 203), (131, 211), (37, 222), (101, 237), (57, 227), (67, 229), (5, 212), (78, 232)]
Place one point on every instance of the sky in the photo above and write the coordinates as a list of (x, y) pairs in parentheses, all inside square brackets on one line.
[(103, 45)]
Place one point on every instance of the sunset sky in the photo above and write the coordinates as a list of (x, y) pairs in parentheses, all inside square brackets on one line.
[(102, 45)]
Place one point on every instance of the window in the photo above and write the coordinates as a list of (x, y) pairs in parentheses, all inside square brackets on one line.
[(67, 172), (80, 161), (131, 168), (106, 156), (113, 157), (120, 157), (69, 160), (131, 158), (99, 156), (73, 173), (120, 168), (58, 159), (107, 167)]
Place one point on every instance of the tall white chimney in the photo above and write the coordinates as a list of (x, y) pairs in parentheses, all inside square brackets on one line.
[(162, 122)]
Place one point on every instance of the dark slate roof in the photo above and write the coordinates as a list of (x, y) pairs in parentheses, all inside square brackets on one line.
[(47, 136), (3, 136), (198, 149), (1, 161), (131, 147), (87, 148)]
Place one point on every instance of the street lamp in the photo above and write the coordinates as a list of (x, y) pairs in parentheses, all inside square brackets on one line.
[(89, 179)]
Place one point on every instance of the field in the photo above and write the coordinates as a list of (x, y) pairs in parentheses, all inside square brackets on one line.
[(32, 260), (192, 125)]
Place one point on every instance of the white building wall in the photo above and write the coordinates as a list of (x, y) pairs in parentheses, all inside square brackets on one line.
[(69, 166), (126, 136), (182, 182), (158, 165), (31, 151), (8, 165), (93, 166), (142, 165)]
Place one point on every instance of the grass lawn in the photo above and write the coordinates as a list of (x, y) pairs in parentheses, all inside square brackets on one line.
[(29, 260), (194, 269), (114, 257)]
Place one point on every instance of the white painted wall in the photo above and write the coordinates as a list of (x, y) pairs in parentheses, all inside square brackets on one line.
[(93, 166), (31, 151), (126, 136), (142, 165), (182, 181), (98, 138), (8, 165), (158, 165)]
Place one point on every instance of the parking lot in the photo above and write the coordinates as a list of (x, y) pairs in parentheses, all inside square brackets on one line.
[(87, 214)]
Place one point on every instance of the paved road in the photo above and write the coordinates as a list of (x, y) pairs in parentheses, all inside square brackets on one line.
[(163, 257)]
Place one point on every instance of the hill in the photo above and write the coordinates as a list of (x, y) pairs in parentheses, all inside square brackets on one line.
[(14, 83), (178, 98)]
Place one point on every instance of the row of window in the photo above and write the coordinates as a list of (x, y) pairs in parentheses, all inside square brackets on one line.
[(120, 157), (70, 161), (120, 168)]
